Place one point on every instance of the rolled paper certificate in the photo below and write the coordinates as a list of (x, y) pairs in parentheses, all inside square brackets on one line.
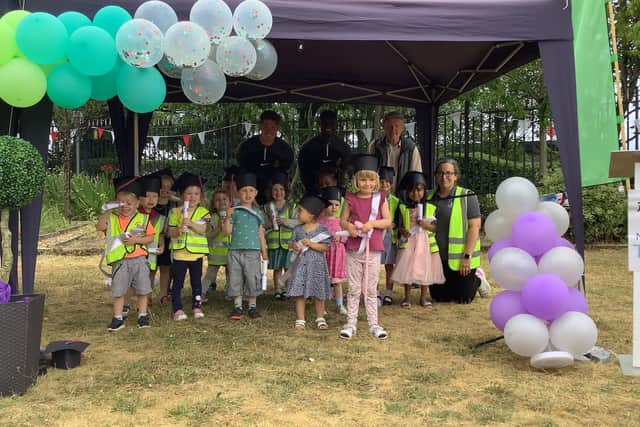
[(420, 208), (265, 266), (185, 214), (274, 216), (111, 205), (342, 233)]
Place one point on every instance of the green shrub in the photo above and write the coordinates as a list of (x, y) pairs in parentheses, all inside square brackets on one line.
[(87, 195), (21, 172)]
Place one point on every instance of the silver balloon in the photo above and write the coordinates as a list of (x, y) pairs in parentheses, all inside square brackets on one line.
[(214, 16), (168, 69), (204, 85), (236, 56), (266, 62), (186, 44), (158, 12)]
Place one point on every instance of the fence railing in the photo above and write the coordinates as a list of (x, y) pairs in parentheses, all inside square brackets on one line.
[(632, 121)]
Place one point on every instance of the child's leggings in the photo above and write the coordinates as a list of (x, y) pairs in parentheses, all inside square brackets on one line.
[(179, 270), (355, 274)]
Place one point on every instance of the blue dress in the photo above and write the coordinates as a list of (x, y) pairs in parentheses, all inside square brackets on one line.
[(310, 277)]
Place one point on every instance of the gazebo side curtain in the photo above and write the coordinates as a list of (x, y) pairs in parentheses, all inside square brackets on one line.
[(123, 130)]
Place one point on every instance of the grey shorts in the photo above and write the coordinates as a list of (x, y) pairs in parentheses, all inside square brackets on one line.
[(244, 273), (130, 273)]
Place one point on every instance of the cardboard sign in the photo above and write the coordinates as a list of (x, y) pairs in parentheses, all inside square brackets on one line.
[(634, 230)]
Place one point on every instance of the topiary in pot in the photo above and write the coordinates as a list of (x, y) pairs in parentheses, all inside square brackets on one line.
[(22, 174)]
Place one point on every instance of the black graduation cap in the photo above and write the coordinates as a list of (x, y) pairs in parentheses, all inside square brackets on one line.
[(151, 184), (279, 178), (411, 179), (188, 179), (313, 204), (129, 184), (230, 172), (387, 173), (246, 179), (331, 193), (365, 162), (66, 354)]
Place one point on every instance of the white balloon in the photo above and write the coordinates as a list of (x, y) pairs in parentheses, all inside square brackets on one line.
[(214, 16), (558, 215), (186, 44), (565, 263), (511, 268), (158, 12), (526, 335), (252, 19), (515, 196), (497, 226), (574, 332), (139, 43), (236, 56), (266, 62), (169, 69), (204, 85)]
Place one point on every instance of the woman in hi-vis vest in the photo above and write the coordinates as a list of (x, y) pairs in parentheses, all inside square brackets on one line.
[(457, 234)]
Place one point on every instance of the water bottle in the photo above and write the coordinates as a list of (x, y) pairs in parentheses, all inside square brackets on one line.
[(198, 302)]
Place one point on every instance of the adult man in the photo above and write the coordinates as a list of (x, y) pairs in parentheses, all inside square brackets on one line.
[(395, 151), (322, 152), (266, 153)]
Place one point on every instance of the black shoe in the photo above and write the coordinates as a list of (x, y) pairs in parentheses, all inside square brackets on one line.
[(236, 314), (254, 314), (143, 321), (116, 325), (125, 311)]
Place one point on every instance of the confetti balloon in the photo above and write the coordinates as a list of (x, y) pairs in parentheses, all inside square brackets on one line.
[(186, 44), (252, 19), (42, 38), (139, 43), (204, 85), (214, 16), (158, 12), (92, 51), (266, 62), (236, 56), (168, 69)]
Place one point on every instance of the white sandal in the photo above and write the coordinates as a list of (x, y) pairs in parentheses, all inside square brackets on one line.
[(347, 332), (300, 325), (378, 332), (321, 323)]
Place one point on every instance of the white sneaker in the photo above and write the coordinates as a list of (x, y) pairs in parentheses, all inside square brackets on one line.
[(179, 316), (378, 332), (485, 288), (342, 310), (347, 332), (197, 313)]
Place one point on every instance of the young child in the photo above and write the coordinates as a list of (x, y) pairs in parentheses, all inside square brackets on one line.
[(164, 206), (365, 215), (390, 236), (336, 256), (187, 229), (218, 241), (418, 259), (280, 210), (127, 232), (245, 224)]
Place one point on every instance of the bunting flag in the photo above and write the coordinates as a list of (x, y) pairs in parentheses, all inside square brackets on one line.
[(100, 133), (455, 117), (53, 135), (186, 138), (156, 140), (201, 136), (523, 126), (247, 128), (411, 128), (368, 133), (551, 132)]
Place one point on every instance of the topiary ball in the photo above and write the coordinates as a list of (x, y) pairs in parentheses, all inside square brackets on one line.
[(22, 172)]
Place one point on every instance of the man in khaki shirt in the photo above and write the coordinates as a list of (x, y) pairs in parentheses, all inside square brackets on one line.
[(394, 151)]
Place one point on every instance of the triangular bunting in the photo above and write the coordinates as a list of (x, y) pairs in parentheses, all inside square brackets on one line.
[(201, 136), (247, 128), (368, 133), (473, 114), (53, 135), (186, 138), (100, 133), (455, 117), (155, 139)]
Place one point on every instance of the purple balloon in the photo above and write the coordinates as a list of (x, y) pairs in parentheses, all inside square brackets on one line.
[(5, 292), (577, 301), (533, 232), (560, 241), (545, 296), (504, 306), (500, 244)]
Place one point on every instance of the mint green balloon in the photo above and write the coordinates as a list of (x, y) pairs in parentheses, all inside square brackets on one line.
[(67, 88), (141, 90), (73, 20), (22, 83), (8, 42), (92, 51), (42, 38), (111, 18), (14, 17), (104, 87)]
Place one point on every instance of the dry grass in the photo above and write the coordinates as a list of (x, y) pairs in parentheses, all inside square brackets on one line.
[(215, 372)]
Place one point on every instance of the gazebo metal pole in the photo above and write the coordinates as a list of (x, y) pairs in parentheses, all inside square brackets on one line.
[(136, 146)]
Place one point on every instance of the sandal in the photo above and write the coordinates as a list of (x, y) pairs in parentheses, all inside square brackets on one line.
[(405, 304), (321, 323), (300, 325), (387, 300), (426, 303)]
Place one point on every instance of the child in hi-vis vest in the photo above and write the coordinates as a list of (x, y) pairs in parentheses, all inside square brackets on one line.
[(218, 241)]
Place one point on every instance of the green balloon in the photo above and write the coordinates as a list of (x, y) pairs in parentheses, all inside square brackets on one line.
[(22, 83), (73, 20), (141, 90), (48, 68), (8, 42), (104, 87), (92, 51), (67, 88), (42, 38), (14, 17), (111, 18)]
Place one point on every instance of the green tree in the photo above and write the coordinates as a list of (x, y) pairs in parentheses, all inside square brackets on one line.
[(628, 33)]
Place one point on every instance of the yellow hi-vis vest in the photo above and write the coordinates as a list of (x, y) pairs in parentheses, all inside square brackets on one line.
[(219, 244), (139, 220), (158, 222), (406, 222), (458, 228), (393, 206), (190, 240), (280, 238)]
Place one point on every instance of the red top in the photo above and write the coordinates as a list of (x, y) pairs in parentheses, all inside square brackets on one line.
[(360, 209)]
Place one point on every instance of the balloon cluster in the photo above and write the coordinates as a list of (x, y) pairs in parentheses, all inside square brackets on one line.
[(73, 59), (541, 309)]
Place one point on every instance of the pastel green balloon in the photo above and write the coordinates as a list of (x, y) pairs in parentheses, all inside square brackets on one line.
[(92, 51), (22, 83), (8, 47), (48, 68), (42, 38), (111, 18), (73, 20), (141, 90), (14, 17), (104, 87), (67, 88)]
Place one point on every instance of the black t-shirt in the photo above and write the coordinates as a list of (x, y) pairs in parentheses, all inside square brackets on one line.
[(316, 154)]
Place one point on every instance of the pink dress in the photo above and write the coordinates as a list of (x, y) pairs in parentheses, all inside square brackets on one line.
[(415, 263), (336, 255)]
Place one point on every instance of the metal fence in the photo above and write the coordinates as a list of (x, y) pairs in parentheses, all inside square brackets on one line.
[(632, 121)]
